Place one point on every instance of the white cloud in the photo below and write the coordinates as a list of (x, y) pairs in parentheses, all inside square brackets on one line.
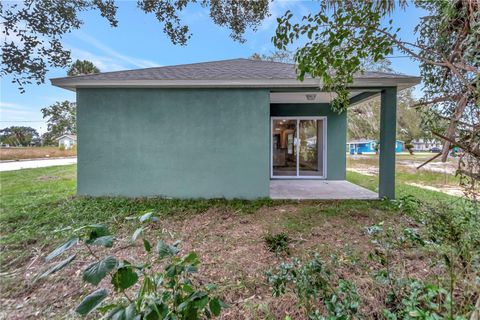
[(104, 63), (113, 55), (14, 111)]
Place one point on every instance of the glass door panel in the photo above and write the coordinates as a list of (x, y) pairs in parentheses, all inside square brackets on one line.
[(310, 155), (284, 147)]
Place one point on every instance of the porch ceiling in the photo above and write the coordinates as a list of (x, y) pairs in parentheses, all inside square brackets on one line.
[(355, 96), (319, 190)]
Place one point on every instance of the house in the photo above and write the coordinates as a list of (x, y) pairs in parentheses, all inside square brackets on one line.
[(425, 145), (67, 141), (368, 146), (234, 128)]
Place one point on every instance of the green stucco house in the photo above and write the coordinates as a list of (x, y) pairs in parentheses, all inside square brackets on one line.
[(221, 129)]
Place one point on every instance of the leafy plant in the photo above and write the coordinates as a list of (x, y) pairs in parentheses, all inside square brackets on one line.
[(168, 294), (420, 301), (277, 243), (450, 233), (313, 285)]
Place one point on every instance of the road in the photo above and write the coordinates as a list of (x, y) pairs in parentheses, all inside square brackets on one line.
[(28, 164)]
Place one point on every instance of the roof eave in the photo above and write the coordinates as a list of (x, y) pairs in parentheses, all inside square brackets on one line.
[(73, 84)]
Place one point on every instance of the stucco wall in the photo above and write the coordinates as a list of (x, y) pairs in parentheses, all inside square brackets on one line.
[(186, 143), (336, 133)]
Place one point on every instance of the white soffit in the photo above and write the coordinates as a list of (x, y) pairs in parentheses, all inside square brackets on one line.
[(305, 97)]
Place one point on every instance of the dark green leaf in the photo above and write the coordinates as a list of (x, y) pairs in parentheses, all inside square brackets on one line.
[(215, 307), (96, 231), (58, 266), (147, 245), (201, 303), (124, 278), (191, 258), (165, 250), (91, 301), (98, 270), (105, 241), (58, 251)]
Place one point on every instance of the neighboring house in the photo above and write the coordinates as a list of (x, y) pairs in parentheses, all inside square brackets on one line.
[(218, 129), (425, 144), (366, 146), (67, 141)]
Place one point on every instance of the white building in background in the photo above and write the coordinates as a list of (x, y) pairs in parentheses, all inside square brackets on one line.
[(425, 144), (67, 141)]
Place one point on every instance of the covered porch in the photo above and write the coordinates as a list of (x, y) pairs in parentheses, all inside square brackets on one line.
[(319, 190), (289, 108)]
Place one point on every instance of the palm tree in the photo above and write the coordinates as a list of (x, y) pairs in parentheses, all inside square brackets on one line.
[(81, 67)]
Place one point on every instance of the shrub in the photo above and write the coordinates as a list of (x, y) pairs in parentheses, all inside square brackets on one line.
[(451, 235), (62, 147), (277, 243), (168, 294), (313, 285)]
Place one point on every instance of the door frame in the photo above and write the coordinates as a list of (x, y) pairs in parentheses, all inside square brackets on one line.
[(324, 150)]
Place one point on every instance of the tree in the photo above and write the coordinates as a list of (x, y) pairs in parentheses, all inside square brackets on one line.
[(82, 67), (61, 116), (342, 33), (34, 29), (364, 118), (61, 119), (19, 136), (284, 56)]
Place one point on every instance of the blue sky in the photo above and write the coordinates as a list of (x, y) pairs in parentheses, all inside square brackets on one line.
[(138, 42)]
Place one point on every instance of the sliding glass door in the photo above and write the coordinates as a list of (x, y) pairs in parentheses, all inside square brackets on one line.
[(298, 147)]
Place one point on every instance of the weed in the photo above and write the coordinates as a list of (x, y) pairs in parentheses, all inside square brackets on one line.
[(277, 243), (313, 285), (171, 294)]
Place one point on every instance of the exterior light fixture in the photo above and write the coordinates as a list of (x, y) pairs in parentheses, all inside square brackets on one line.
[(310, 97)]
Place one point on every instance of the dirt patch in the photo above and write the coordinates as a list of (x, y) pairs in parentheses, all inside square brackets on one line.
[(233, 256), (453, 191), (368, 171), (439, 167), (18, 153)]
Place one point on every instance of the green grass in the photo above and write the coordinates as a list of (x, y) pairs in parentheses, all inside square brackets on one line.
[(401, 188), (36, 202), (406, 174)]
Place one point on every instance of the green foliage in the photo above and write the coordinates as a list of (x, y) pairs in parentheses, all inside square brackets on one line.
[(454, 231), (332, 42), (19, 136), (277, 243), (313, 285), (169, 294), (335, 41), (98, 270), (61, 119), (419, 300), (82, 67), (92, 301), (38, 28), (283, 56), (451, 232)]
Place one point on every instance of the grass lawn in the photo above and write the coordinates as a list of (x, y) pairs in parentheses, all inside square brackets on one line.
[(436, 176), (35, 152), (227, 235)]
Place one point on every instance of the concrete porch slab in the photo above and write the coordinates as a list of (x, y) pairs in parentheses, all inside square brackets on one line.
[(318, 189)]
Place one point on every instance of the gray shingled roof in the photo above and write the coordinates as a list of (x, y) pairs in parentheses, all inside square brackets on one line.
[(235, 73), (235, 69)]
